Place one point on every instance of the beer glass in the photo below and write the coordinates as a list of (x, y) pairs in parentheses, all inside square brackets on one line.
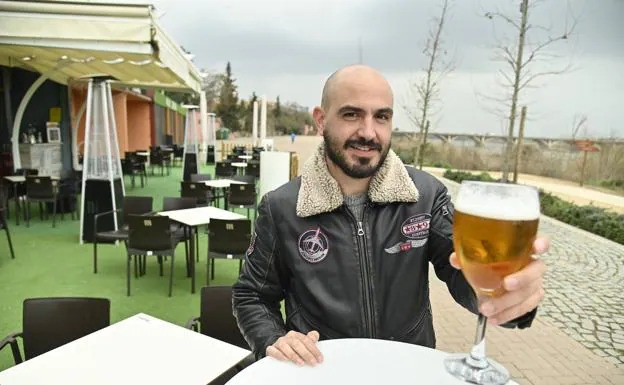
[(494, 228)]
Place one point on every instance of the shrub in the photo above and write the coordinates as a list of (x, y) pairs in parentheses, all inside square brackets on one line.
[(594, 219)]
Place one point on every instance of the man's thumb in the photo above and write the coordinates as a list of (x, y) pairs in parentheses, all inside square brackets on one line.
[(314, 335)]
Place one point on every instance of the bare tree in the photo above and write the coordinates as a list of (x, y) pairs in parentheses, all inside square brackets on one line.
[(580, 121), (533, 46), (425, 91), (211, 85)]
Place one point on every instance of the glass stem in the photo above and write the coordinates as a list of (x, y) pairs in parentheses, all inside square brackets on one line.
[(477, 356)]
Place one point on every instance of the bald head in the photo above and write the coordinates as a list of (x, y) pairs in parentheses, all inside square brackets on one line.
[(348, 77)]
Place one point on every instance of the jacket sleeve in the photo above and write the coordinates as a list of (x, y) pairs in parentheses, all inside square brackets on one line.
[(257, 294), (440, 249)]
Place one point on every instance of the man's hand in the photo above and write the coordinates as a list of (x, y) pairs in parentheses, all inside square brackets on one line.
[(297, 347), (524, 289)]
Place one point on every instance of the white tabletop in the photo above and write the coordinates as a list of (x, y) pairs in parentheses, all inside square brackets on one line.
[(22, 179), (142, 153), (239, 164), (200, 215), (222, 183), (245, 157), (138, 350), (356, 361)]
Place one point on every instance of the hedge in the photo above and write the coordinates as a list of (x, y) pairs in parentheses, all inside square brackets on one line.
[(594, 219)]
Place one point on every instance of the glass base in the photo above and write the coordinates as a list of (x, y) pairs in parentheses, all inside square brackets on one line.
[(481, 372)]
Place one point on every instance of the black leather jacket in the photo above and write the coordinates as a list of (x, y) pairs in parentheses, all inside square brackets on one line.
[(343, 277)]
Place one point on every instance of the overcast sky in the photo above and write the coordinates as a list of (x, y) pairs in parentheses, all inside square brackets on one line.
[(288, 48)]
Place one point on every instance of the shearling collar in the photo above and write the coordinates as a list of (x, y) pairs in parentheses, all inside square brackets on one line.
[(320, 193)]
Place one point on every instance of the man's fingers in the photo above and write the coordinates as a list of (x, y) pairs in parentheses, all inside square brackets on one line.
[(304, 348), (314, 335), (532, 272), (519, 310), (492, 307), (541, 245), (285, 348), (455, 261), (272, 351)]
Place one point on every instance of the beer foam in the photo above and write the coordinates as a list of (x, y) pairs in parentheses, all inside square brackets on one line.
[(505, 202)]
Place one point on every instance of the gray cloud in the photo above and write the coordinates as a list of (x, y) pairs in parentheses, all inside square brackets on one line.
[(288, 48)]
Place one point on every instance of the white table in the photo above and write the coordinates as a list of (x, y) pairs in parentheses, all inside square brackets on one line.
[(222, 183), (194, 217), (356, 361), (138, 350), (22, 179)]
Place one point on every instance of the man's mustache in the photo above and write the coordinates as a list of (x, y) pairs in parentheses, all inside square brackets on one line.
[(363, 143)]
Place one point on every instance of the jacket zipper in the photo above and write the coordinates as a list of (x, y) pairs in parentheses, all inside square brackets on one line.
[(368, 302)]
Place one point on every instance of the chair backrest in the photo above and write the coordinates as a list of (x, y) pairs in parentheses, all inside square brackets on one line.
[(242, 194), (224, 169), (216, 318), (197, 190), (39, 187), (27, 171), (232, 157), (229, 236), (200, 177), (51, 322), (175, 203), (136, 205), (149, 233), (250, 179), (253, 168)]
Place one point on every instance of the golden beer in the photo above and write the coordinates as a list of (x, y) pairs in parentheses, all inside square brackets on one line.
[(494, 237)]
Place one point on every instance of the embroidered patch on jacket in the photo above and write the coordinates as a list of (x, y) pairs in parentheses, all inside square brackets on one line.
[(405, 246), (313, 245), (252, 244), (416, 226)]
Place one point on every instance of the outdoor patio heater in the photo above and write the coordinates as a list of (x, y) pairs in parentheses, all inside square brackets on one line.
[(102, 178), (191, 143)]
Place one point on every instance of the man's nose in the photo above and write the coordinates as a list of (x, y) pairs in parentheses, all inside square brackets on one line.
[(367, 128)]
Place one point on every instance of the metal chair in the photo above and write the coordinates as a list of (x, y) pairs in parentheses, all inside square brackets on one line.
[(224, 170), (175, 203), (5, 226), (198, 190), (253, 168), (150, 235), (48, 323), (227, 239), (243, 196), (42, 189), (131, 205)]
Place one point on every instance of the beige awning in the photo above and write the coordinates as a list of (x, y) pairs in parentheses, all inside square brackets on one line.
[(83, 40)]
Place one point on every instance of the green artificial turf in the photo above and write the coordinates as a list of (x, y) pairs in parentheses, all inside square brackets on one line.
[(51, 262)]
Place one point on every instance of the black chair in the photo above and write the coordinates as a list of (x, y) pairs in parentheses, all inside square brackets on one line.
[(210, 155), (198, 190), (253, 168), (175, 203), (227, 239), (224, 170), (48, 323), (42, 189), (243, 196), (150, 235), (131, 205), (216, 321), (5, 226), (249, 179), (200, 177)]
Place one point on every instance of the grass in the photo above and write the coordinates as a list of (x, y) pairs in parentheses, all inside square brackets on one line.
[(51, 262)]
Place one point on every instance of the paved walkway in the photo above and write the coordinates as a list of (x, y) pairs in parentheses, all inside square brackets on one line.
[(578, 334)]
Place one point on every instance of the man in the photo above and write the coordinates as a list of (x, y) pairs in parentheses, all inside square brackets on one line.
[(347, 245)]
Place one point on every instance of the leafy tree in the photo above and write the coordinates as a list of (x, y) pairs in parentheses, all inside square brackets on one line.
[(228, 108)]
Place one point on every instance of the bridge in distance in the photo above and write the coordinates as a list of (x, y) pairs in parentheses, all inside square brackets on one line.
[(483, 139)]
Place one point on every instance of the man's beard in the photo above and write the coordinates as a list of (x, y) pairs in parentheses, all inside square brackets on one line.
[(362, 168)]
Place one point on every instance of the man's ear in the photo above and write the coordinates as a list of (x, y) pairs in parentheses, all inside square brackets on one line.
[(319, 118)]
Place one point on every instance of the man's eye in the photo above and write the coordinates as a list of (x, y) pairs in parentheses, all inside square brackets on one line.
[(383, 117), (349, 115)]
